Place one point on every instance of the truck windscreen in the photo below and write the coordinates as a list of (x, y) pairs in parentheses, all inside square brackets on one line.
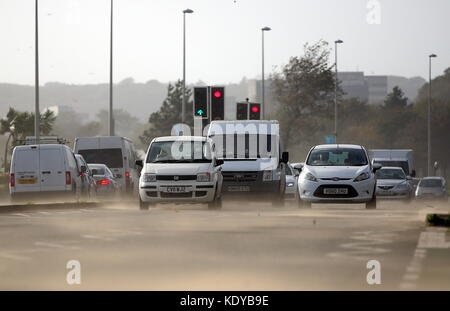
[(246, 146)]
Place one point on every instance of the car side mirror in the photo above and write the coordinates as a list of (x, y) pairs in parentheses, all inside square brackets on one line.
[(285, 157), (409, 177), (83, 169), (298, 167), (219, 162), (139, 163), (376, 167)]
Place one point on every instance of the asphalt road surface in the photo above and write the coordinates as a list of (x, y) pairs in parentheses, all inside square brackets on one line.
[(243, 246)]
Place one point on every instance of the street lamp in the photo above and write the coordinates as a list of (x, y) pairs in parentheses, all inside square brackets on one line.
[(263, 106), (111, 114), (429, 114), (183, 104), (335, 90), (37, 114)]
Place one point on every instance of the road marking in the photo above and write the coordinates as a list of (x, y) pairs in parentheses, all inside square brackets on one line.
[(433, 237), (20, 214), (9, 255), (96, 237), (54, 245)]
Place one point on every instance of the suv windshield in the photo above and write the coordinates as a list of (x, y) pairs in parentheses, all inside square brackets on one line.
[(430, 183), (179, 152), (337, 157), (390, 173)]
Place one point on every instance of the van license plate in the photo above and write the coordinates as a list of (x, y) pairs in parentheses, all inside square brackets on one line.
[(27, 181), (335, 191), (176, 189), (239, 188)]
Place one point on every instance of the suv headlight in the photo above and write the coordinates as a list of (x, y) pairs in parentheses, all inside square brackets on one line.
[(267, 175), (310, 177), (203, 177), (362, 176), (149, 178)]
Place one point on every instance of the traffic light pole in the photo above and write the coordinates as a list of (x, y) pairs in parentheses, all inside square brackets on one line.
[(37, 114)]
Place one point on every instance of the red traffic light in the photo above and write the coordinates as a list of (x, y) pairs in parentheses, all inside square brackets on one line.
[(255, 109), (217, 94)]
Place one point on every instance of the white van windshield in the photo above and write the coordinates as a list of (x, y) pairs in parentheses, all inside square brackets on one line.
[(245, 146), (179, 152)]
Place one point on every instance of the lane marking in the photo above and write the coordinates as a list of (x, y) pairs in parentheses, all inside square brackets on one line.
[(431, 238)]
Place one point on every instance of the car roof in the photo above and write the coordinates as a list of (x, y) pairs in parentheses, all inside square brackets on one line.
[(43, 146), (337, 146), (433, 177)]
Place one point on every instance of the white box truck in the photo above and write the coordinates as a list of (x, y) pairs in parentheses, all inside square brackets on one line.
[(117, 153), (254, 162), (403, 158)]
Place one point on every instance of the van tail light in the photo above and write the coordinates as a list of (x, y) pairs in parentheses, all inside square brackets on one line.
[(127, 178), (68, 179), (103, 182), (12, 180)]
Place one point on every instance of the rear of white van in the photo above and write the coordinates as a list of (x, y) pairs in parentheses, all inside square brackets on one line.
[(39, 168)]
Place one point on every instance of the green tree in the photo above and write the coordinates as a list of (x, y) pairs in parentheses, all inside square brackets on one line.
[(304, 92), (161, 122)]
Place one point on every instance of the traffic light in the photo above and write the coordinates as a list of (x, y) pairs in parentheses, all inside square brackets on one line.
[(217, 95), (255, 111), (201, 102), (242, 111)]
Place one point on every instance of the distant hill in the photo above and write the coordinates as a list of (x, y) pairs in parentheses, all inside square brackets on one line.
[(139, 99)]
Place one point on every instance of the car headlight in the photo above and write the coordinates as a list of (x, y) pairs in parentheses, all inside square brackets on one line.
[(310, 177), (149, 177), (402, 187), (362, 176), (203, 177), (267, 175), (290, 184)]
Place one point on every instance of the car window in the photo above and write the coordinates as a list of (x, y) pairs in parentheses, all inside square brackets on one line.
[(179, 151), (97, 169), (431, 183), (337, 157), (389, 173)]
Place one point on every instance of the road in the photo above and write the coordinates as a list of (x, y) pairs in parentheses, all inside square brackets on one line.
[(243, 246)]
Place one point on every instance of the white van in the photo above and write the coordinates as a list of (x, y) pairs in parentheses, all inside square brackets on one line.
[(44, 168), (117, 153), (254, 162)]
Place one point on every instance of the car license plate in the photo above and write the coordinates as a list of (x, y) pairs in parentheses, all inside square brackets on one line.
[(335, 191), (177, 189), (27, 181), (238, 188)]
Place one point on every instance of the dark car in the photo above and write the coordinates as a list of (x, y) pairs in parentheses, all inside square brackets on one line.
[(88, 185), (104, 179)]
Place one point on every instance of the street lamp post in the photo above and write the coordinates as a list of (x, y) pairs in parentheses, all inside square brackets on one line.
[(183, 103), (335, 90), (37, 114), (429, 115), (263, 95), (111, 113)]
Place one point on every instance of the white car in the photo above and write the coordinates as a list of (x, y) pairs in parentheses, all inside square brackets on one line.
[(392, 183), (291, 191), (180, 169), (337, 173)]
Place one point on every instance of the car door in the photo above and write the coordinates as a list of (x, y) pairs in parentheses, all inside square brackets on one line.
[(52, 172)]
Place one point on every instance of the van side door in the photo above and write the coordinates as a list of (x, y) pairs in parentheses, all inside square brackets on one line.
[(52, 172)]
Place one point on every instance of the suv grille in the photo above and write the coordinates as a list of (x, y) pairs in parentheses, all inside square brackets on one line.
[(240, 176), (176, 177)]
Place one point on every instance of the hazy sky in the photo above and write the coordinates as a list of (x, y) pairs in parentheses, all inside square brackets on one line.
[(223, 37)]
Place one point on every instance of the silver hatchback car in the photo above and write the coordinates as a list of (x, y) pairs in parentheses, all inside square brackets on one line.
[(432, 188)]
